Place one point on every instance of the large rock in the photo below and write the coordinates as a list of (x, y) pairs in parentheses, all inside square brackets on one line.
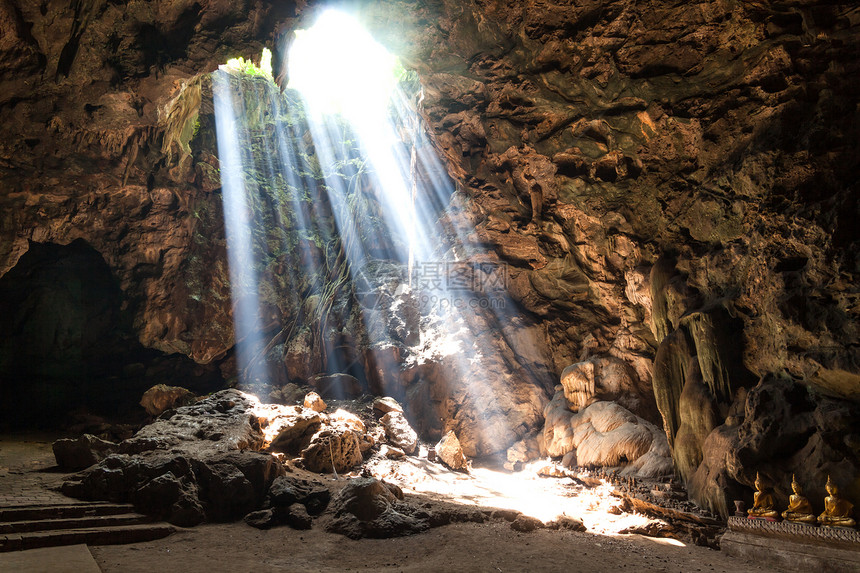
[(170, 498), (314, 402), (337, 386), (224, 421), (334, 448), (162, 397), (368, 507), (606, 434), (82, 452), (399, 432), (526, 450), (349, 420), (181, 489), (287, 490), (448, 450), (290, 428), (385, 404), (197, 463)]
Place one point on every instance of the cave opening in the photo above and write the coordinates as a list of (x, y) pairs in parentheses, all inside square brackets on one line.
[(71, 356)]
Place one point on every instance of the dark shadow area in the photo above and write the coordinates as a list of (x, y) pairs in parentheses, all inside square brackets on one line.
[(68, 350)]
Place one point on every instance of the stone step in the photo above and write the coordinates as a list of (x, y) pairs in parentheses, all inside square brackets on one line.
[(36, 512), (73, 523), (111, 535)]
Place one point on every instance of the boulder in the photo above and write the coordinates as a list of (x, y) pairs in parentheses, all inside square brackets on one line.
[(450, 452), (226, 420), (399, 432), (170, 498), (567, 522), (526, 523), (368, 507), (337, 386), (314, 402), (349, 420), (525, 450), (287, 491), (333, 448), (261, 519), (606, 434), (180, 489), (289, 393), (386, 404), (162, 397), (188, 466), (82, 452), (296, 516), (259, 469), (391, 452), (291, 427)]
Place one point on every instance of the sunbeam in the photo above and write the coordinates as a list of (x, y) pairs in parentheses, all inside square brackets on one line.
[(361, 185)]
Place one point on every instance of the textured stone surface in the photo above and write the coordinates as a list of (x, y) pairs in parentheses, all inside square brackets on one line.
[(162, 397), (450, 452), (82, 452), (221, 422), (314, 402), (399, 432), (605, 434), (368, 507), (334, 448)]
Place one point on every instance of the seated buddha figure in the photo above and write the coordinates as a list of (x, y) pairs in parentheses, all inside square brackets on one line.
[(762, 502), (799, 509), (837, 512)]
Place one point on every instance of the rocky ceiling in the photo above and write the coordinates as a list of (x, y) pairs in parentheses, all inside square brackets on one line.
[(672, 184)]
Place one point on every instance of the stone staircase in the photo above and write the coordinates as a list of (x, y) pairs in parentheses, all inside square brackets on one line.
[(34, 526)]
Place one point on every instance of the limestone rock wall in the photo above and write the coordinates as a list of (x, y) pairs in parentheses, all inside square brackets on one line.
[(680, 174)]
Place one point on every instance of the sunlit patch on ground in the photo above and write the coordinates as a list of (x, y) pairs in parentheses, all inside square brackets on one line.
[(542, 497)]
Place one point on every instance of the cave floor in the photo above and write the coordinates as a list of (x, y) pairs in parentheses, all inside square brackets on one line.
[(27, 477), (28, 472)]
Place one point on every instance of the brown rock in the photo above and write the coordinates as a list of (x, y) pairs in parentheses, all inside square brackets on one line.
[(332, 449), (399, 432), (386, 404), (292, 428), (314, 402), (567, 522), (349, 420), (450, 452), (162, 397), (337, 386), (526, 523)]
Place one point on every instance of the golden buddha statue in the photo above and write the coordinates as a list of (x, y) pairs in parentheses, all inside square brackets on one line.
[(762, 502), (837, 512), (799, 509)]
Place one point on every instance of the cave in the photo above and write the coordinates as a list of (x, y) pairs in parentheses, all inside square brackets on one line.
[(445, 272), (70, 347)]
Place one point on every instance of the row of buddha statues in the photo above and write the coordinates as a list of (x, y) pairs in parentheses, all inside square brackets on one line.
[(837, 511)]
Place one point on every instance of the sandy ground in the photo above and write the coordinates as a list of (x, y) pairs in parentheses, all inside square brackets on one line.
[(490, 547), (237, 547)]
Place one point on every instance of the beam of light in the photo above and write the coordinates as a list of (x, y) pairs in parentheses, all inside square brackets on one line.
[(340, 70), (544, 498), (233, 138), (362, 199)]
